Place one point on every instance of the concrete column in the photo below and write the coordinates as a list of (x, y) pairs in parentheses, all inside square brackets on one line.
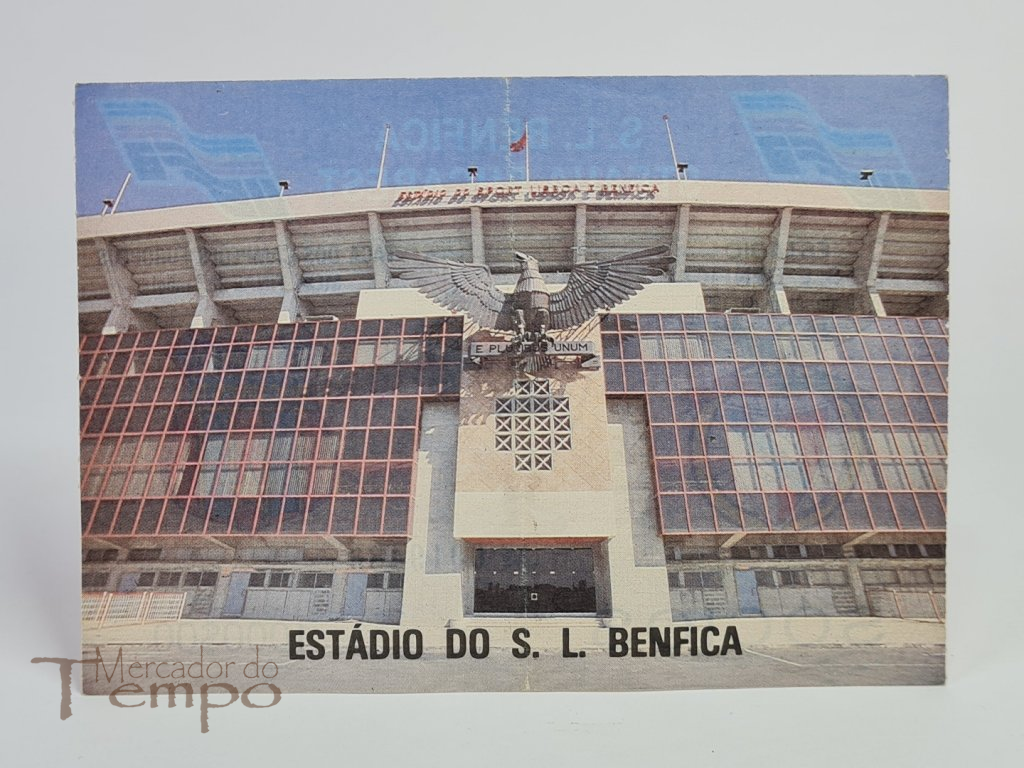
[(733, 540), (476, 232), (727, 569), (123, 290), (208, 312), (680, 236), (434, 560), (378, 251), (777, 301), (875, 305), (220, 592), (579, 249), (857, 587), (292, 307), (337, 608), (636, 553)]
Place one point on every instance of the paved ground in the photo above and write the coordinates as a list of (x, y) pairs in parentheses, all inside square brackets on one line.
[(775, 652)]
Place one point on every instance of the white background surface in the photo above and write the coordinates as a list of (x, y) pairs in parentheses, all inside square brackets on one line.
[(976, 717)]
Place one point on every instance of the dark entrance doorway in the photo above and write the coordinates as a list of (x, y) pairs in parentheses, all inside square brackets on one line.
[(534, 581)]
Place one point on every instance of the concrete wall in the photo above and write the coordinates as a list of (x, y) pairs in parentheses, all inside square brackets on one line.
[(434, 557)]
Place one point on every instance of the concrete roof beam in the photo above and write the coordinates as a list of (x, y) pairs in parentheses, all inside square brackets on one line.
[(292, 307), (865, 269), (680, 240), (476, 232), (208, 312), (775, 264), (579, 247), (123, 290), (379, 251)]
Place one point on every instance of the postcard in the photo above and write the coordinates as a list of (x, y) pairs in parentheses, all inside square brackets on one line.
[(567, 384)]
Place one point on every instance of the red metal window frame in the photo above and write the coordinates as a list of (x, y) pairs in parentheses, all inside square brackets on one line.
[(154, 405), (900, 370)]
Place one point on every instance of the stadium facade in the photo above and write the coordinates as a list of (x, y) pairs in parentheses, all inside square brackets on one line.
[(276, 426)]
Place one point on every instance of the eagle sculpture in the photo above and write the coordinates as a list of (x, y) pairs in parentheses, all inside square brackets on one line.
[(531, 310)]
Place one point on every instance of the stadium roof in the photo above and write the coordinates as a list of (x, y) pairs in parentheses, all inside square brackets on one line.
[(826, 247)]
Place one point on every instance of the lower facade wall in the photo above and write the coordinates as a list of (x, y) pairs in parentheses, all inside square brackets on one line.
[(698, 589), (714, 589), (292, 591)]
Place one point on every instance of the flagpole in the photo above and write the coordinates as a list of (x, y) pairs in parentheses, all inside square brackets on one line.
[(120, 193), (383, 154), (526, 133), (671, 146)]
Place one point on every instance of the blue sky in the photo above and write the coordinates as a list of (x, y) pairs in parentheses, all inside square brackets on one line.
[(204, 142)]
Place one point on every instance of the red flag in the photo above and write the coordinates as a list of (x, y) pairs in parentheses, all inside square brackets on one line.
[(518, 146)]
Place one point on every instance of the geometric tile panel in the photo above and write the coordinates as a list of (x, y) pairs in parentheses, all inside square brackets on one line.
[(532, 424)]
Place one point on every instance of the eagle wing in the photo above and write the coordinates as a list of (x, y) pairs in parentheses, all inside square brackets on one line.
[(457, 285), (596, 285)]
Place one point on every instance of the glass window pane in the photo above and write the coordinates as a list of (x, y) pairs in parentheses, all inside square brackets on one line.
[(651, 347), (701, 516), (766, 347), (786, 440), (365, 352), (664, 441), (856, 511), (780, 408), (727, 515), (282, 446), (805, 513), (227, 480), (721, 347), (853, 348), (769, 472), (745, 474), (763, 440), (869, 473), (918, 475), (835, 439), (860, 443), (809, 349), (251, 479), (670, 478), (796, 476), (892, 472), (780, 515), (881, 510), (874, 412), (387, 351), (820, 474), (720, 471), (694, 475), (754, 517), (845, 475), (796, 377), (788, 348), (728, 377), (279, 355), (830, 348), (739, 441), (690, 442), (773, 378), (827, 407)]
